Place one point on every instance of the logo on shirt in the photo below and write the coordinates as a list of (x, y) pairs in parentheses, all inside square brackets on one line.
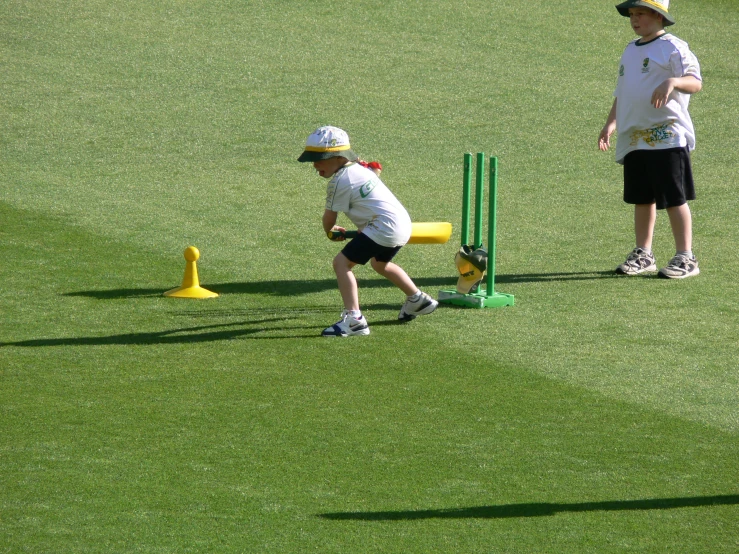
[(366, 188), (645, 66), (621, 71), (653, 136)]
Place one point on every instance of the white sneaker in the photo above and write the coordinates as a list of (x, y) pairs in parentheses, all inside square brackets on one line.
[(347, 326), (638, 261), (422, 306), (680, 267)]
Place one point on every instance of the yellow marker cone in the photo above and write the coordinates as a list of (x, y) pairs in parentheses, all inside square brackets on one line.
[(190, 285)]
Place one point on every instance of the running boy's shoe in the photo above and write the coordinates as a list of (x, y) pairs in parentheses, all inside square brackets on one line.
[(422, 306), (347, 326), (638, 261), (680, 267)]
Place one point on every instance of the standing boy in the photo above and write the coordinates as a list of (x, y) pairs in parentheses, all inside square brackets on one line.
[(658, 73), (383, 222)]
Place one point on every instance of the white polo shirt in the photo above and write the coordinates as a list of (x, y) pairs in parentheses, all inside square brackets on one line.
[(369, 204), (643, 68)]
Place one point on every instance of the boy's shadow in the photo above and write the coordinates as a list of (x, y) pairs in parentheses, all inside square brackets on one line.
[(185, 335), (251, 329), (242, 329), (289, 287), (538, 509)]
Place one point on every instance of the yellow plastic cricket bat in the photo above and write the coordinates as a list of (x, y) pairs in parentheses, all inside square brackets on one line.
[(435, 232)]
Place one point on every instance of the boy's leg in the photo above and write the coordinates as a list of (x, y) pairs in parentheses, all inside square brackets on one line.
[(417, 302), (638, 190), (396, 275), (352, 322), (683, 264), (641, 259), (347, 282), (678, 190), (645, 216), (681, 223)]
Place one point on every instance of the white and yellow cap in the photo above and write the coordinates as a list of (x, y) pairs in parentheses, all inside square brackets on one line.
[(660, 6), (327, 142)]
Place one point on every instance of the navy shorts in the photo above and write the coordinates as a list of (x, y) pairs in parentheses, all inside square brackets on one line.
[(362, 249), (664, 177)]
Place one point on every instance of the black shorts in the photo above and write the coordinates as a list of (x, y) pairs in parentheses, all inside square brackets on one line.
[(362, 248), (664, 177)]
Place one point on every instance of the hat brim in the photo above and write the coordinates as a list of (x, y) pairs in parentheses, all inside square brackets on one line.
[(466, 285), (311, 156), (470, 276), (623, 9)]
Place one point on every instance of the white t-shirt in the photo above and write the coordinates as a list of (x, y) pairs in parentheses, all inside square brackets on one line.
[(644, 67), (364, 198)]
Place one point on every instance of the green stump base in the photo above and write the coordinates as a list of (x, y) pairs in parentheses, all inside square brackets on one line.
[(475, 299)]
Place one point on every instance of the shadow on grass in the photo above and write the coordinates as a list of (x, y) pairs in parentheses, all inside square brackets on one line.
[(203, 333), (539, 509), (216, 332), (288, 287), (546, 277)]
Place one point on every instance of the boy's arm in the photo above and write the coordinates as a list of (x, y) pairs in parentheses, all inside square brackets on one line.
[(604, 140), (329, 220), (687, 84)]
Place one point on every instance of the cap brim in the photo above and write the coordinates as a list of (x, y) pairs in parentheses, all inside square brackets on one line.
[(310, 156)]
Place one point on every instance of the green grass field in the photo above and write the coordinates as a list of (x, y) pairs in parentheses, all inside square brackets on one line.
[(599, 414)]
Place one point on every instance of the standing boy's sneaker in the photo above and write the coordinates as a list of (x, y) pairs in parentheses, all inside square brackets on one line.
[(680, 267), (422, 306), (638, 261), (347, 326)]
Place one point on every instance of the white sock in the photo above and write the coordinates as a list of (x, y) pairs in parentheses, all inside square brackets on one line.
[(356, 314), (688, 253), (415, 297)]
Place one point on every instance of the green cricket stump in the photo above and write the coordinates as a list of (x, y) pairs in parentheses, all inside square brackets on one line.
[(482, 298)]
